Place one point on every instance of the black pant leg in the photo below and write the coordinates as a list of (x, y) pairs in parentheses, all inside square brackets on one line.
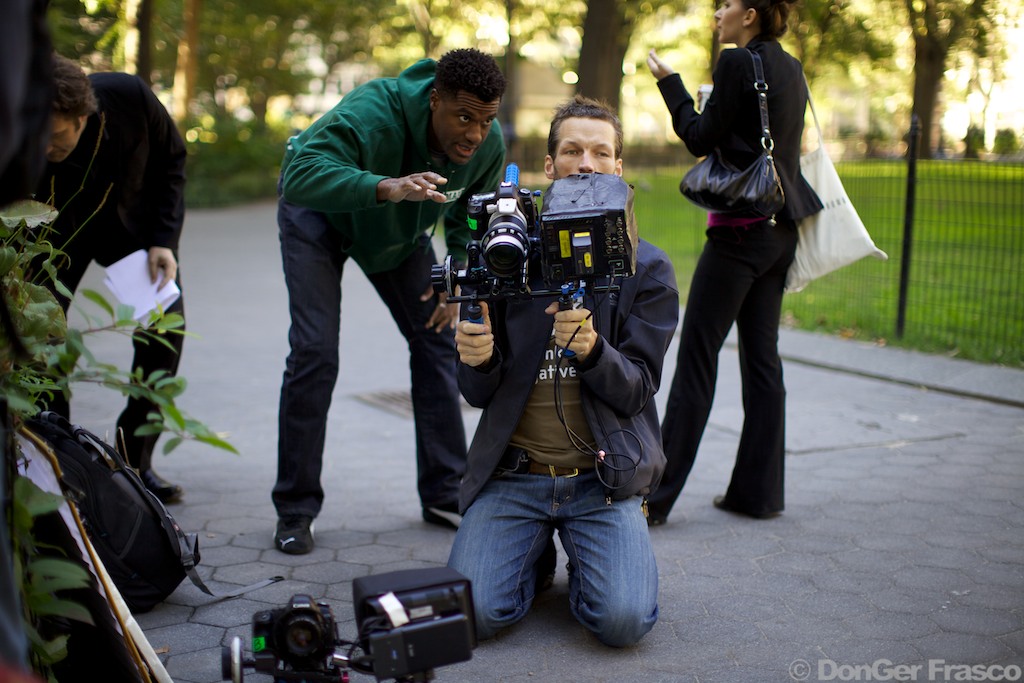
[(757, 483), (151, 356), (717, 290)]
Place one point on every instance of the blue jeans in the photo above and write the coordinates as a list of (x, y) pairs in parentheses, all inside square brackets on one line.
[(613, 578), (313, 258)]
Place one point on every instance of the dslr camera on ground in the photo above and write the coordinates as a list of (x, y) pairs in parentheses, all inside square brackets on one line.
[(410, 622), (585, 234)]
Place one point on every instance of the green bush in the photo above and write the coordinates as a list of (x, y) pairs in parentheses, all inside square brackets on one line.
[(1006, 142), (230, 162), (974, 142)]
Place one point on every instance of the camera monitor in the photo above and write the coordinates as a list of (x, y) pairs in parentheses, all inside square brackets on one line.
[(414, 620), (588, 228)]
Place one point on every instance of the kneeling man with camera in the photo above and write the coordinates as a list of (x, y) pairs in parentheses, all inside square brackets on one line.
[(569, 438)]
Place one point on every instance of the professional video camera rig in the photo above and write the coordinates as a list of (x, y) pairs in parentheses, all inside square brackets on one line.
[(409, 622), (585, 233)]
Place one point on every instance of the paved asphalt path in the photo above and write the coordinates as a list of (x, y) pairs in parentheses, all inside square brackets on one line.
[(900, 555)]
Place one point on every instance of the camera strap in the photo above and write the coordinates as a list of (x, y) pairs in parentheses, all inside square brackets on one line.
[(198, 582)]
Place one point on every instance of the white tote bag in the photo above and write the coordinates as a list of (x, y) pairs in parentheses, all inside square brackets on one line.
[(835, 236)]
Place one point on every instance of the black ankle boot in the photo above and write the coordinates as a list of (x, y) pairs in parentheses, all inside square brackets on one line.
[(160, 487)]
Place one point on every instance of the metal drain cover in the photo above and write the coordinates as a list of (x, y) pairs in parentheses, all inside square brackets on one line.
[(397, 401)]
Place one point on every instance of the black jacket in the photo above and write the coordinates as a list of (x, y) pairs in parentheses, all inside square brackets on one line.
[(617, 381), (141, 158), (731, 120)]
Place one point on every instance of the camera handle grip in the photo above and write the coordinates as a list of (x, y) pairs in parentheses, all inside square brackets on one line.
[(569, 300), (474, 312)]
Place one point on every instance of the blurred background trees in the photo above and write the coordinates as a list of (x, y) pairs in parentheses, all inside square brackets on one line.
[(240, 74)]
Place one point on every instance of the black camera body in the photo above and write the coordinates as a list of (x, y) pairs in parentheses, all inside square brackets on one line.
[(298, 637), (585, 232), (410, 622)]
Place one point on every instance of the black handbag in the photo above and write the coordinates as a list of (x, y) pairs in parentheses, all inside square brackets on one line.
[(719, 187)]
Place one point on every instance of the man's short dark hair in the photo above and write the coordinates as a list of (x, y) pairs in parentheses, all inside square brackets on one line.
[(73, 95), (470, 70), (581, 107)]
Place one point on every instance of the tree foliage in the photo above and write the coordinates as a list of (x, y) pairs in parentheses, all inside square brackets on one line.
[(247, 52), (836, 33)]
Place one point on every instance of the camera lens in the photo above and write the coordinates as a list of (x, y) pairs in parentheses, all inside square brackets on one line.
[(302, 636), (505, 248)]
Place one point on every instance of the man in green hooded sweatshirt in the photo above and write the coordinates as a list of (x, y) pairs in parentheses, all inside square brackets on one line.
[(370, 180)]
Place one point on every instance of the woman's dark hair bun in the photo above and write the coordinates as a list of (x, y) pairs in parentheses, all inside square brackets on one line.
[(774, 15)]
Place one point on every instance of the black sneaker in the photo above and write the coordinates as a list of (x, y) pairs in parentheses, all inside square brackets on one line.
[(446, 515), (294, 535)]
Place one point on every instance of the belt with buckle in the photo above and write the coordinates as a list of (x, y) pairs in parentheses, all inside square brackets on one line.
[(552, 470), (518, 461)]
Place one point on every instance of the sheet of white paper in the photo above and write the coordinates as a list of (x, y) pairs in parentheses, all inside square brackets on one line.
[(128, 280)]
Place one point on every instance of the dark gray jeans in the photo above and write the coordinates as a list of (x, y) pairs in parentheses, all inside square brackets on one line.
[(311, 250)]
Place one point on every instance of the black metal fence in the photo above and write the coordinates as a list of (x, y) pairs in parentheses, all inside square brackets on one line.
[(954, 232)]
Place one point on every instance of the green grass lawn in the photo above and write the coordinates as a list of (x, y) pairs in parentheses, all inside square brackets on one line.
[(965, 271)]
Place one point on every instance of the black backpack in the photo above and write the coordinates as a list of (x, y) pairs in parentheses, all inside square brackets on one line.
[(140, 544)]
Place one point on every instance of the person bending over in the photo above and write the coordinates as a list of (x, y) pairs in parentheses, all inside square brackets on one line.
[(369, 181), (116, 173)]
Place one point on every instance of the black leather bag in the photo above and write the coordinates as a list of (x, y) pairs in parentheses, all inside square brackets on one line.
[(719, 187)]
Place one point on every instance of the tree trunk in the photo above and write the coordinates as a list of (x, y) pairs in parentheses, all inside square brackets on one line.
[(606, 34), (421, 11), (144, 61), (716, 45), (510, 101), (937, 27), (187, 69), (929, 67), (138, 39)]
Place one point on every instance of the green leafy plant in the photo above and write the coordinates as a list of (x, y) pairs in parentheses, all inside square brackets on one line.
[(43, 575), (974, 142), (45, 357), (41, 357)]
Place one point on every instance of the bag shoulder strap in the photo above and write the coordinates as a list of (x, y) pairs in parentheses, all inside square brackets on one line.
[(761, 87), (814, 114)]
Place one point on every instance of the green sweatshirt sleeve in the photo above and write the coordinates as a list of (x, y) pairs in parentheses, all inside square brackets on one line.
[(322, 169)]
